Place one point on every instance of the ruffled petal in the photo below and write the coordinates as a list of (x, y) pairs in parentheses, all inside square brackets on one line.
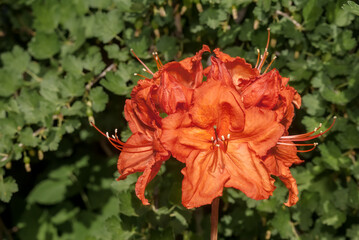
[(142, 105), (261, 130), (216, 104), (247, 172), (238, 68), (181, 138), (177, 81), (133, 159), (203, 179), (149, 173), (278, 162)]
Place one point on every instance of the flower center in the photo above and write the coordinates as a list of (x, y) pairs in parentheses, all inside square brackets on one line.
[(219, 142)]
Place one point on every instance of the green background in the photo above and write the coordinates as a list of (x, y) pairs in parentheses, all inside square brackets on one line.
[(66, 62)]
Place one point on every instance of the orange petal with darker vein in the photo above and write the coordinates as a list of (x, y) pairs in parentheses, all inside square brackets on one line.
[(217, 104), (149, 173), (247, 172), (177, 81), (261, 130), (132, 159), (202, 181), (238, 68)]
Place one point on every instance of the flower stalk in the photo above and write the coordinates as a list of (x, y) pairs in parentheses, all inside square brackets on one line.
[(214, 219)]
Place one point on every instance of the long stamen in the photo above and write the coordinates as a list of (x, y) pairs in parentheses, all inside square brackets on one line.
[(302, 135), (118, 144), (265, 54), (270, 64), (138, 59), (259, 54), (136, 74), (299, 138)]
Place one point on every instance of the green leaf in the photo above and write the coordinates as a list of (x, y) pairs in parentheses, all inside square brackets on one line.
[(27, 138), (311, 13), (44, 46), (168, 47), (126, 204), (281, 223), (352, 7), (8, 187), (48, 192), (46, 15), (98, 98), (353, 232), (10, 82), (314, 104), (115, 83), (114, 52), (72, 87), (349, 139), (212, 17), (113, 227), (16, 61), (72, 65), (330, 154), (78, 108)]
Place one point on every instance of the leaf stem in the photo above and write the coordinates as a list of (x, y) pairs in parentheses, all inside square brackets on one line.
[(214, 219)]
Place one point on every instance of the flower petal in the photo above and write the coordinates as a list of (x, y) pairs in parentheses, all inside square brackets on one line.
[(203, 180), (177, 81), (216, 104), (149, 173), (278, 162), (238, 68), (261, 130), (247, 172), (181, 138)]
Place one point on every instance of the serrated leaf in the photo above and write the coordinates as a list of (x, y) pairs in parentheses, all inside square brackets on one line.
[(281, 222), (311, 13), (78, 108), (72, 65), (352, 7), (10, 83), (72, 87), (314, 104), (26, 137), (114, 52), (16, 61), (98, 98), (44, 46), (8, 187), (212, 17), (115, 83)]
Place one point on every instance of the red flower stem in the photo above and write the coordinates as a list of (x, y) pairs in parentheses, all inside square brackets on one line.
[(214, 219)]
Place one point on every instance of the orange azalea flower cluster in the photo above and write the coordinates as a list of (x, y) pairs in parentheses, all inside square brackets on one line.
[(230, 130)]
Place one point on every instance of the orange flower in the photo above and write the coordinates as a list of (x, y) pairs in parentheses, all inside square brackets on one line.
[(221, 142)]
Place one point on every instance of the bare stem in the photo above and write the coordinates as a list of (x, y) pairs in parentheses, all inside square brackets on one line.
[(214, 219)]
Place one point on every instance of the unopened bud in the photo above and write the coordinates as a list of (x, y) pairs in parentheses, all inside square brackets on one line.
[(27, 167), (40, 155)]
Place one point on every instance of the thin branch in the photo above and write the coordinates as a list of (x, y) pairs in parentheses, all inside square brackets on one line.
[(283, 14), (96, 79)]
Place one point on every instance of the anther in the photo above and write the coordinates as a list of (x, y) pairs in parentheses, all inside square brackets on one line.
[(217, 145), (223, 138), (116, 130), (144, 69), (212, 139), (135, 74), (113, 136), (228, 136), (107, 135)]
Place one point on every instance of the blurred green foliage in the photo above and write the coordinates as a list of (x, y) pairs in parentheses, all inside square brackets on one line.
[(66, 62)]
